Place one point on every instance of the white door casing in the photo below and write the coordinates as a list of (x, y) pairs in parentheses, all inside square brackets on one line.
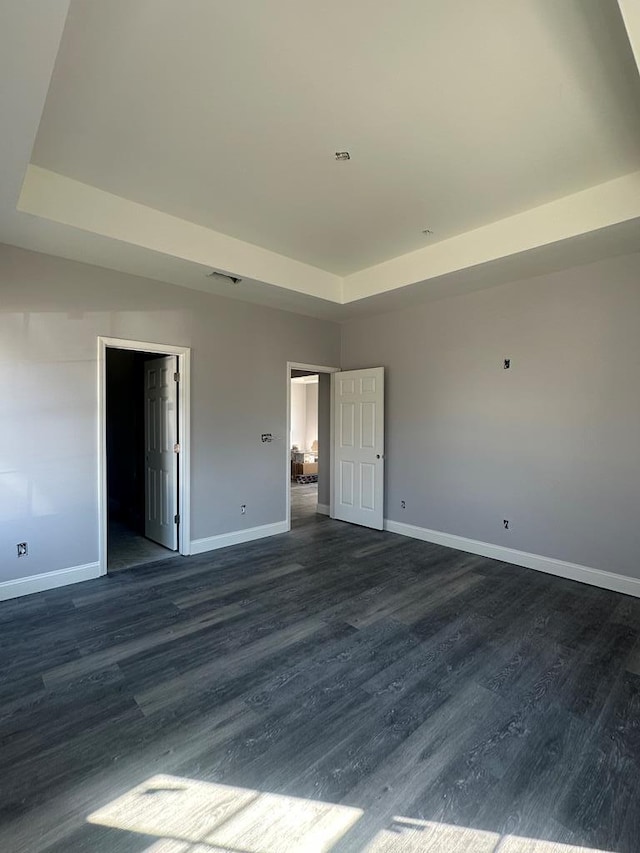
[(161, 458), (358, 406)]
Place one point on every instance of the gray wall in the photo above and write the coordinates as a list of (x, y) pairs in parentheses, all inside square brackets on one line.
[(553, 444), (51, 312), (324, 438), (298, 415), (311, 414)]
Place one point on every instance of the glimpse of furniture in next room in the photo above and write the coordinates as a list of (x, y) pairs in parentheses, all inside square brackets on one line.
[(303, 463)]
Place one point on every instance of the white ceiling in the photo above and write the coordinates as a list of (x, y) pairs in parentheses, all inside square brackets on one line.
[(177, 137)]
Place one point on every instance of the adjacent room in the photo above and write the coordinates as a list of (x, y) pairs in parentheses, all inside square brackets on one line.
[(320, 421), (141, 430), (310, 442), (304, 441)]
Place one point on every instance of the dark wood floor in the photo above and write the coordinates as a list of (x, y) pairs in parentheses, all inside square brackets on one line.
[(422, 688)]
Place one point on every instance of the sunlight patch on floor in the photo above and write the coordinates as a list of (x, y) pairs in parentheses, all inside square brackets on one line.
[(405, 835), (213, 816), (189, 816)]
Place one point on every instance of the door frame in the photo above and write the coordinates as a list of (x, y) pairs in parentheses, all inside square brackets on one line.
[(184, 457), (312, 368)]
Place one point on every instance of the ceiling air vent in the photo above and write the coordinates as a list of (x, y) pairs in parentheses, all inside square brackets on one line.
[(222, 276)]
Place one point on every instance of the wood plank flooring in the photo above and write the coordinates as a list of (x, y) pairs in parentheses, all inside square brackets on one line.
[(233, 700)]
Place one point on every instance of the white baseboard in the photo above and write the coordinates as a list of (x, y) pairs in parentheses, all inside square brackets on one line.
[(48, 580), (323, 509), (237, 537), (572, 571)]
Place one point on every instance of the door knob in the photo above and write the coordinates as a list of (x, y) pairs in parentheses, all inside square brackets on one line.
[(377, 456)]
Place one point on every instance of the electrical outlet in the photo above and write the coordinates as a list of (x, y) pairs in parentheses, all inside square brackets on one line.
[(23, 549), (243, 509), (403, 504), (505, 523), (506, 363)]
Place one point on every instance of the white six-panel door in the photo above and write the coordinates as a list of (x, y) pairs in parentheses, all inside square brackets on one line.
[(161, 465), (358, 405)]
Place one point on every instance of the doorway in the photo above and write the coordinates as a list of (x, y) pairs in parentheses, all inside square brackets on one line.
[(144, 441), (354, 478), (308, 460)]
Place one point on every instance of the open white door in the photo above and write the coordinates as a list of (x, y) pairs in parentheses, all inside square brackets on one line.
[(358, 405), (161, 451)]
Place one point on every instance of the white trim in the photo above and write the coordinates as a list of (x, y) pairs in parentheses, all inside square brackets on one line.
[(76, 204), (184, 459), (332, 447), (316, 368), (237, 537), (48, 580), (561, 568), (323, 509)]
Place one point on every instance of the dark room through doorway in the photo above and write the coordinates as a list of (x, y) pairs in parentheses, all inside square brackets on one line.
[(142, 486)]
